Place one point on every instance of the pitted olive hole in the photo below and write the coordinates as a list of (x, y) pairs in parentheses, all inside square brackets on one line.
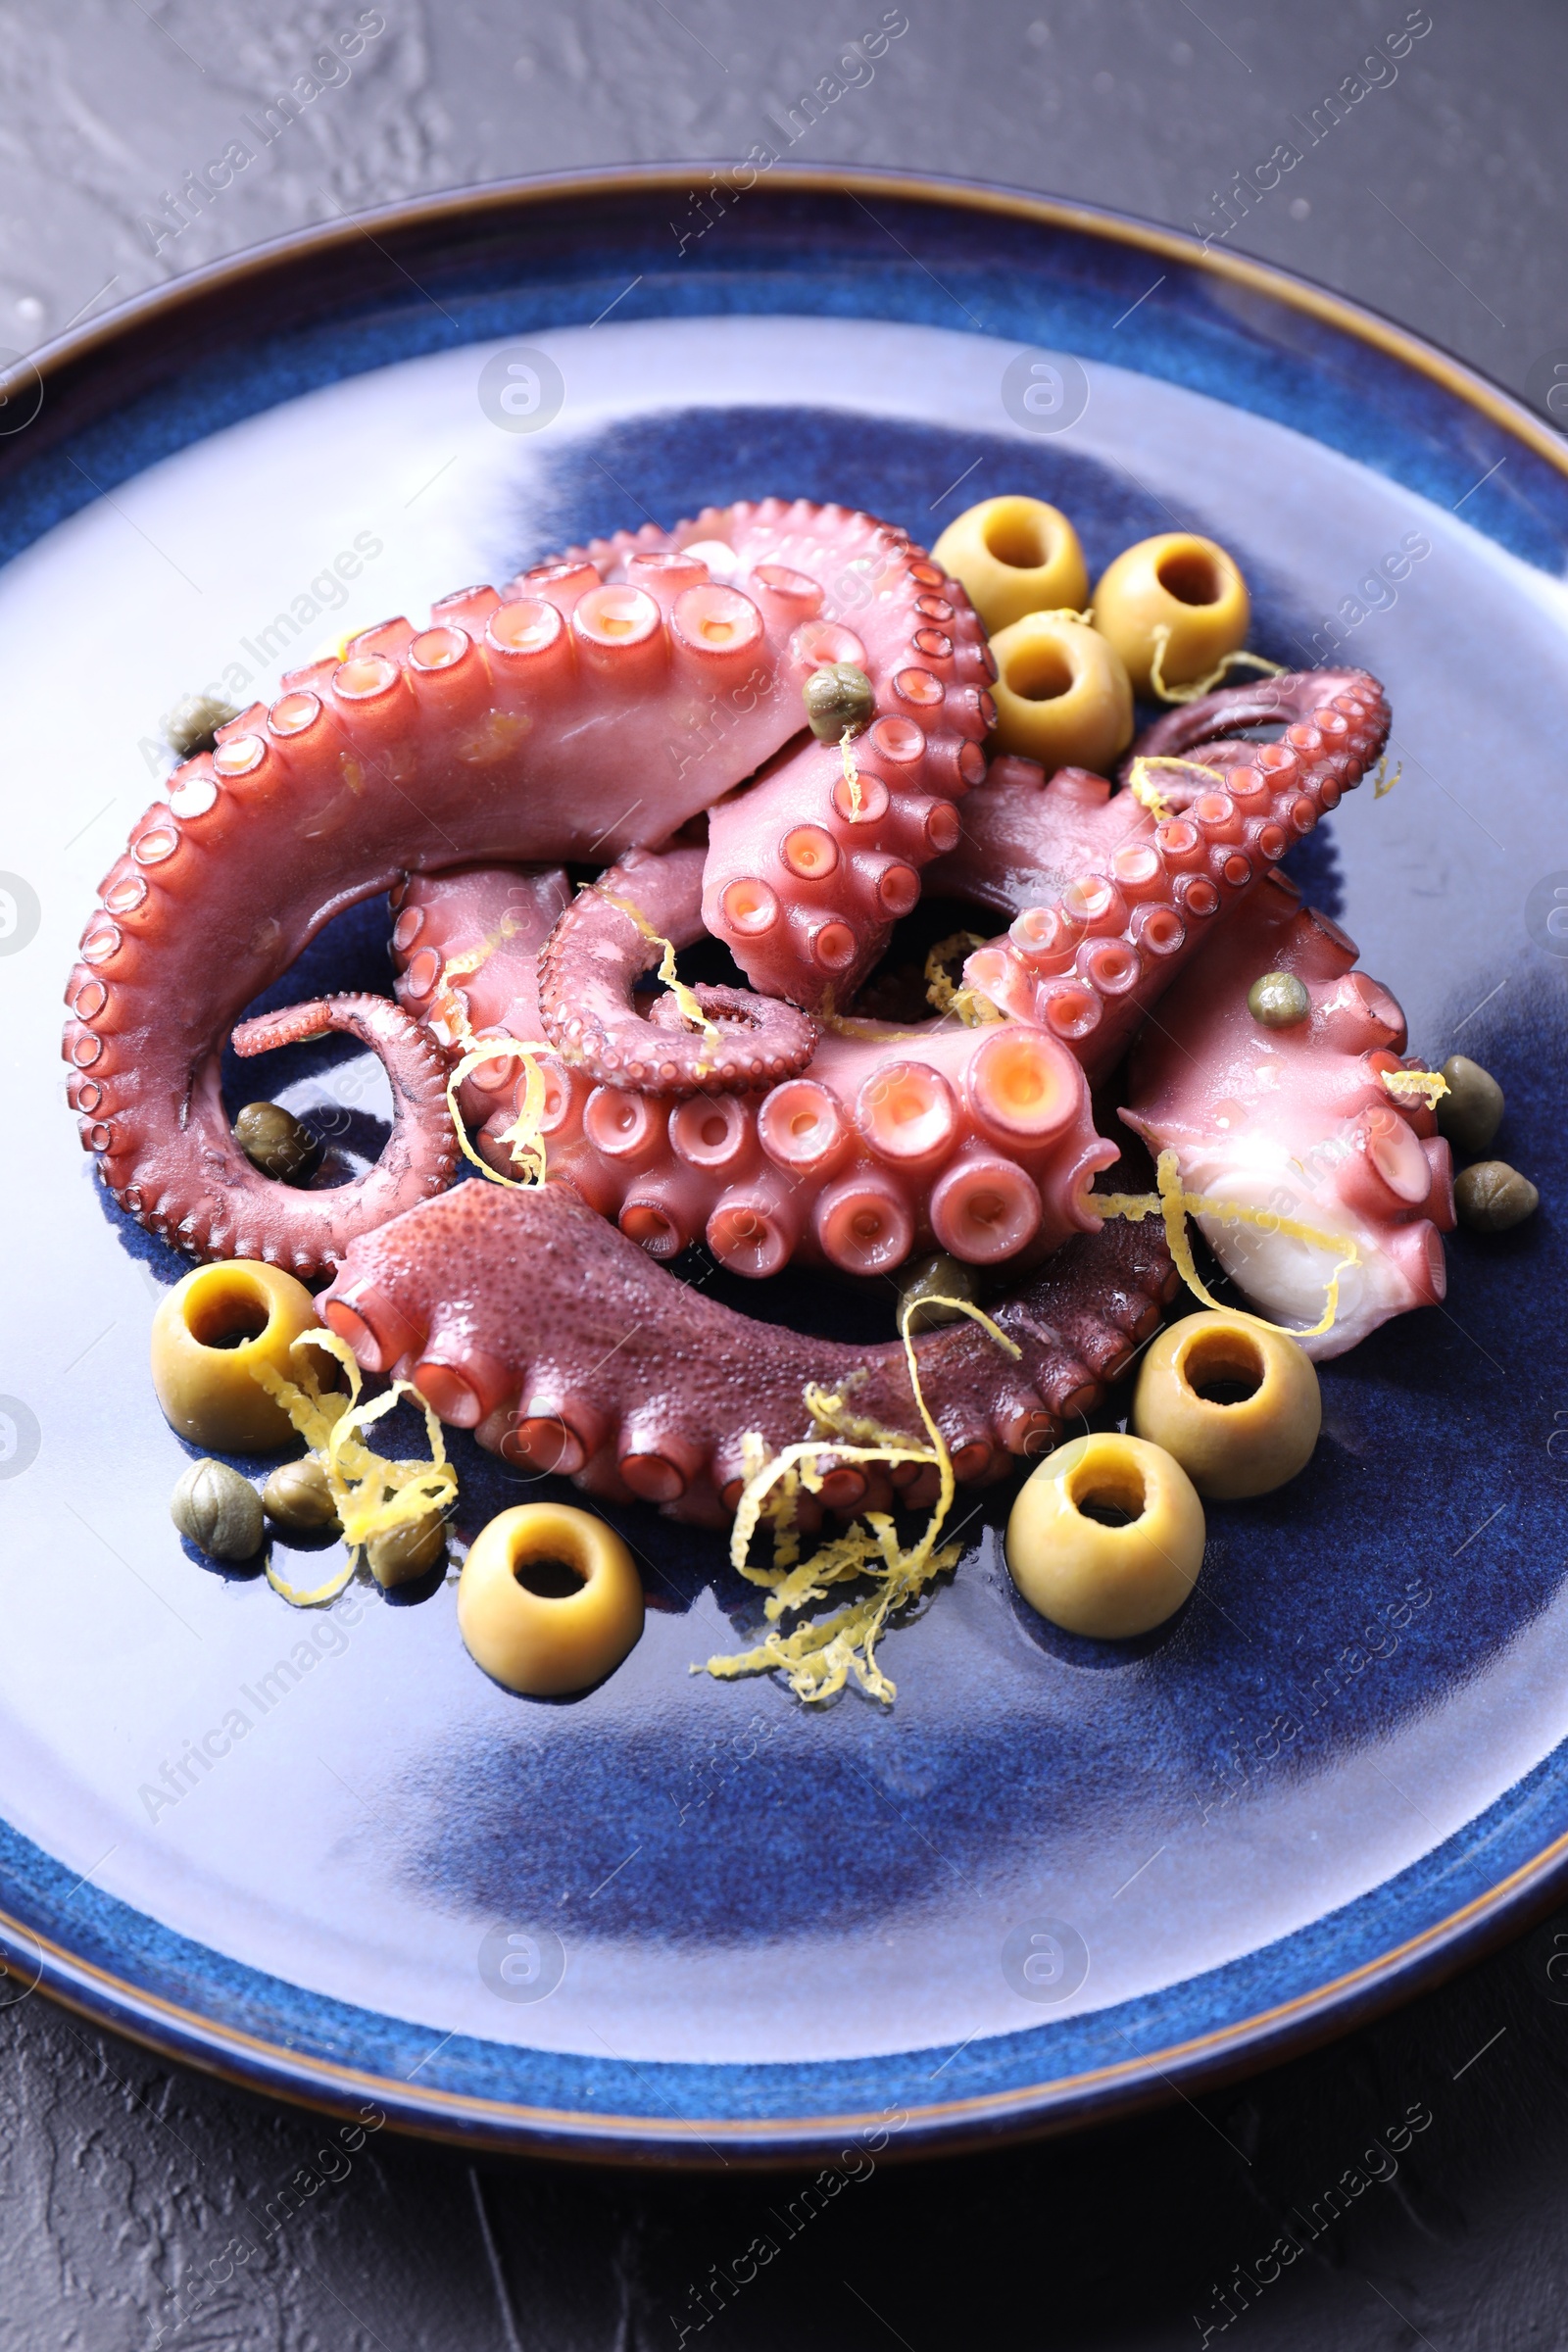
[(1039, 672), (548, 1578), (1189, 576), (1018, 539), (229, 1317), (1223, 1367), (1113, 1494)]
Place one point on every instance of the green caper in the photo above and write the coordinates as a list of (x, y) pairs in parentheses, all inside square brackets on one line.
[(936, 1277), (297, 1498), (218, 1511), (1279, 1001), (273, 1141), (193, 723), (1491, 1197), (839, 696), (1470, 1113), (405, 1551)]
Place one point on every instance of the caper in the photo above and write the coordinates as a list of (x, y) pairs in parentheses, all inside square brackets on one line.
[(193, 723), (218, 1511), (1470, 1113), (405, 1551), (297, 1498), (839, 696), (936, 1277), (1279, 1001), (1491, 1197), (273, 1141)]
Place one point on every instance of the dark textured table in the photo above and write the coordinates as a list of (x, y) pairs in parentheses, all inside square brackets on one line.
[(1422, 2163)]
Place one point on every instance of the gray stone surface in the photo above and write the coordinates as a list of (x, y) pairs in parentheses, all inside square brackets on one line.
[(1439, 199)]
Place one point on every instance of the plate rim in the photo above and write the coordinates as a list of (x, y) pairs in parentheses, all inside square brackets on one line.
[(1060, 2104)]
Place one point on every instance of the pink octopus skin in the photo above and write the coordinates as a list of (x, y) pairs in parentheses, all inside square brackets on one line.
[(526, 1318), (978, 1142), (597, 953), (1129, 899), (535, 725), (1297, 1121), (805, 872)]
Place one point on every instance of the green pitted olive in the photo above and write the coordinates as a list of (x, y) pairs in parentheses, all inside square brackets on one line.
[(839, 696), (1491, 1197), (407, 1551), (273, 1141), (1470, 1113), (1279, 1001), (193, 723), (299, 1500), (218, 1511), (936, 1277)]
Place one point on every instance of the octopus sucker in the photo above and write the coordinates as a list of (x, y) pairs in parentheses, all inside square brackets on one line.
[(532, 1321)]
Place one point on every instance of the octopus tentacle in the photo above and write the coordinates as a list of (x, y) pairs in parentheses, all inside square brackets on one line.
[(526, 1318), (808, 869), (597, 953), (977, 1142), (980, 1141), (241, 1212), (1025, 838), (534, 725), (1297, 1122), (1089, 963), (1210, 725), (464, 948)]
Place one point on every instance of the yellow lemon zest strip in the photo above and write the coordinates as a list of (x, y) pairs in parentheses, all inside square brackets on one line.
[(1199, 686), (527, 1144), (1176, 1206), (968, 1005), (843, 1024), (1382, 782), (689, 1011), (1152, 799), (372, 1493), (1427, 1086), (819, 1658), (460, 967), (299, 1599), (852, 775)]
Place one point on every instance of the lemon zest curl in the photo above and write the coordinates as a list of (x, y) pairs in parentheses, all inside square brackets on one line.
[(1425, 1086), (1199, 686), (819, 1657), (373, 1494), (1175, 1205)]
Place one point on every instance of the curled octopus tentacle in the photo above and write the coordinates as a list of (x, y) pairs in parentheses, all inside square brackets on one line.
[(1026, 838), (567, 718), (1089, 963), (465, 947), (1209, 730), (1297, 1122), (980, 1141), (526, 1318), (597, 953), (807, 868), (242, 1212)]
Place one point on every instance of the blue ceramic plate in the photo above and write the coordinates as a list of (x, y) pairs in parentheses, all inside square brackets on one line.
[(324, 1853)]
